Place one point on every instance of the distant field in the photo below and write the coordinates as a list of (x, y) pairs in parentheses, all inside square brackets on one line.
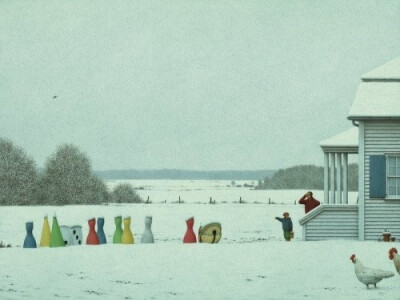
[(185, 174), (221, 191)]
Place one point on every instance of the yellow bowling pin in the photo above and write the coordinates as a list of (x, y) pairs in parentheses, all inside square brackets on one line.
[(127, 236), (46, 233)]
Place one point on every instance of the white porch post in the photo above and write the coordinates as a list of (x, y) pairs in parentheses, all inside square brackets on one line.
[(339, 178), (326, 178), (333, 173), (345, 178), (361, 199)]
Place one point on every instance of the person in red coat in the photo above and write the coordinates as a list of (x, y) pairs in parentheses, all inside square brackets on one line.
[(309, 202)]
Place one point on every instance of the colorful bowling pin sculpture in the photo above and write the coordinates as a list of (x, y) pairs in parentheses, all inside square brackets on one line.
[(100, 231), (147, 236), (92, 238), (189, 237), (118, 230), (46, 233), (56, 236), (127, 235), (29, 241)]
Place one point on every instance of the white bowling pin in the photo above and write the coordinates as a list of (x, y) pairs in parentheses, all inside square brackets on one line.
[(147, 236)]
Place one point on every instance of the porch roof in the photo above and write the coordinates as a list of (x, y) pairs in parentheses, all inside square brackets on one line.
[(345, 142)]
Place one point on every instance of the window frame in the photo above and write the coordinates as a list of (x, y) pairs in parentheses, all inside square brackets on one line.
[(388, 176)]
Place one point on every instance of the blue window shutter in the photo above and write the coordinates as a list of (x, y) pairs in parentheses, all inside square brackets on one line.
[(377, 176)]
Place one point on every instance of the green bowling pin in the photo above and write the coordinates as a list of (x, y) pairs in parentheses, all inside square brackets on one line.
[(56, 236), (118, 230)]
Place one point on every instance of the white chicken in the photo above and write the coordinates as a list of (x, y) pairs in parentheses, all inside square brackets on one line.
[(367, 275), (396, 259)]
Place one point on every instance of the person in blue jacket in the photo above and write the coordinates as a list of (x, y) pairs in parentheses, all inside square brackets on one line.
[(287, 226)]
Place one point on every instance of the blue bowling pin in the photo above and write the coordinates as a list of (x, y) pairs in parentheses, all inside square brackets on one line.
[(100, 231), (29, 241)]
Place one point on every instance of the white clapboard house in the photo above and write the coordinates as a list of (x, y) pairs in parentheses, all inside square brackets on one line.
[(375, 138)]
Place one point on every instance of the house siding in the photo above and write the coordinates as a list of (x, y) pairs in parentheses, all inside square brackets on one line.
[(380, 137), (332, 222)]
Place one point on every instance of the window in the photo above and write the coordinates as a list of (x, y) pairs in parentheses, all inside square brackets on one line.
[(393, 176)]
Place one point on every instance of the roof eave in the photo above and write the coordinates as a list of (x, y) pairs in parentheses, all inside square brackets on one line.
[(363, 118), (339, 149), (373, 79)]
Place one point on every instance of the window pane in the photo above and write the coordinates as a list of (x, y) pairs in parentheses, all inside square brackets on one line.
[(392, 171), (398, 186), (392, 191), (397, 165), (392, 165), (392, 186)]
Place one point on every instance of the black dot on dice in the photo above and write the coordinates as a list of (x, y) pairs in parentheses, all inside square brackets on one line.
[(66, 242), (80, 242), (74, 232), (77, 237)]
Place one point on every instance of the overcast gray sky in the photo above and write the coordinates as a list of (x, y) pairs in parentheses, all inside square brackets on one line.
[(209, 85)]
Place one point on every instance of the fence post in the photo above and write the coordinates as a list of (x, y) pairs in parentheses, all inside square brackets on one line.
[(269, 200)]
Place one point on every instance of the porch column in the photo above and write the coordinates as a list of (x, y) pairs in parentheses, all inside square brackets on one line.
[(332, 178), (339, 178), (345, 178), (326, 178)]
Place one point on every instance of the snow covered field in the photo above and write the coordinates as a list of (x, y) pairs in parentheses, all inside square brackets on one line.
[(252, 261), (222, 191)]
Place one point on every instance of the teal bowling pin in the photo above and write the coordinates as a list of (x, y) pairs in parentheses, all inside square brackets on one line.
[(100, 231), (29, 241)]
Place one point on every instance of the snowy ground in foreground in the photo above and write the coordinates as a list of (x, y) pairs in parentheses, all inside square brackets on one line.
[(251, 261)]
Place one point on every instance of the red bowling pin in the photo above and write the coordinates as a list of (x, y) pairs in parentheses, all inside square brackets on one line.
[(92, 238), (190, 236)]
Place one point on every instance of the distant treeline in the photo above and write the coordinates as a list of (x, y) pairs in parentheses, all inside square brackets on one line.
[(184, 174), (304, 177)]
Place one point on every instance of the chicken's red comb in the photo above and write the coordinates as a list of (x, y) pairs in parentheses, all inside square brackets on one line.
[(352, 256), (393, 250)]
